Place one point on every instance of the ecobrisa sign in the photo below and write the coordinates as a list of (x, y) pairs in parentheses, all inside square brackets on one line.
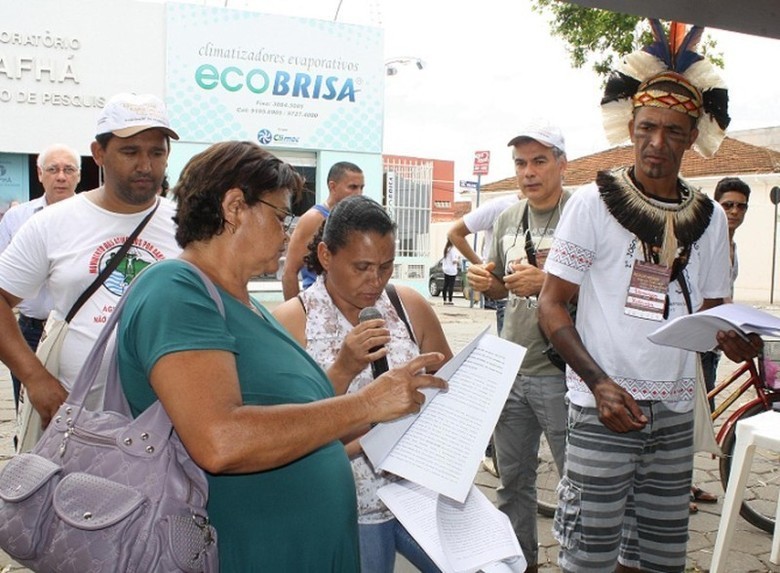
[(285, 82), (257, 81)]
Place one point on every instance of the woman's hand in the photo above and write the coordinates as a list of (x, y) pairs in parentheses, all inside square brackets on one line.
[(397, 392), (355, 353)]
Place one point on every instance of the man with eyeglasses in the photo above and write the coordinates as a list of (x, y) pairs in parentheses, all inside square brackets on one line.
[(59, 171), (66, 246), (522, 236), (732, 194)]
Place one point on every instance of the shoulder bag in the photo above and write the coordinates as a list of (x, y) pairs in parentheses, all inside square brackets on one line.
[(704, 439), (28, 421), (103, 492)]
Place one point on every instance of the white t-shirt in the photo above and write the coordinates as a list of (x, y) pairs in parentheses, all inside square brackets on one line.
[(64, 248), (484, 217), (449, 264), (593, 250), (40, 305)]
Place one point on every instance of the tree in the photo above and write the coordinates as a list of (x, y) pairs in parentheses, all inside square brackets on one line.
[(601, 36)]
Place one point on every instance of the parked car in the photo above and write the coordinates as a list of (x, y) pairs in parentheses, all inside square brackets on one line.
[(436, 281)]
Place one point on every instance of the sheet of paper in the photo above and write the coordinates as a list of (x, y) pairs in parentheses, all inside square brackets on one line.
[(459, 538), (381, 439), (476, 533), (444, 446), (697, 331)]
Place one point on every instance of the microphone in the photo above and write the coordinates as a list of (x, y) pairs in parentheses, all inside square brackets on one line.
[(378, 366)]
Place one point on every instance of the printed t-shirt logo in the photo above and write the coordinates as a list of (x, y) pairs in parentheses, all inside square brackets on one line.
[(141, 255)]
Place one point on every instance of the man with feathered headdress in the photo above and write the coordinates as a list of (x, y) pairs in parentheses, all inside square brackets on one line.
[(642, 247)]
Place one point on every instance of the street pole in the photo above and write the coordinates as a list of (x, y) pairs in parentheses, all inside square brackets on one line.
[(774, 197), (774, 254)]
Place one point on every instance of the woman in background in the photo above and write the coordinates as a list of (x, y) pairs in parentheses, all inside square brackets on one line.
[(354, 260), (450, 264), (251, 407)]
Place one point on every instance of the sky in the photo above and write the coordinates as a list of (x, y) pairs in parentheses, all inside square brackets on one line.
[(490, 66)]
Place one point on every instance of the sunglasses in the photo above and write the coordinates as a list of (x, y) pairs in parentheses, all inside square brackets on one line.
[(729, 205)]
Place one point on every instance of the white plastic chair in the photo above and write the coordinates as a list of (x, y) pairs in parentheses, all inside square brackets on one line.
[(763, 431)]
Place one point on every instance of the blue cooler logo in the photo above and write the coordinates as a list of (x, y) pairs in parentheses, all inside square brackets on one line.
[(265, 136)]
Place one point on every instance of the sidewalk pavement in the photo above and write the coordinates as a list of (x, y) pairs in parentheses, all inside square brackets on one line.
[(750, 546)]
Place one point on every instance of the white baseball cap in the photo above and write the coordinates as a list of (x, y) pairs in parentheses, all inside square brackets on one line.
[(542, 131), (126, 114)]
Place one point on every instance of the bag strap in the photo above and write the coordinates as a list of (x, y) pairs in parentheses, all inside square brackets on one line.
[(111, 266), (530, 251), (115, 399), (392, 294)]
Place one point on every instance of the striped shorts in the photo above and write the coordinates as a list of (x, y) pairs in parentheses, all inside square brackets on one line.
[(624, 497)]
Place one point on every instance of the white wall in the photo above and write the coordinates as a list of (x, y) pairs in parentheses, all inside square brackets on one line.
[(60, 61)]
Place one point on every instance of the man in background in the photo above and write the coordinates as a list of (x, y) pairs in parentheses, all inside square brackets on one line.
[(522, 237), (732, 194), (59, 171), (344, 180)]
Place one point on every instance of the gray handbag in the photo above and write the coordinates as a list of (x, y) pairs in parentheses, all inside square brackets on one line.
[(103, 492)]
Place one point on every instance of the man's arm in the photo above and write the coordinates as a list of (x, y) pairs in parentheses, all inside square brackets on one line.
[(298, 247), (457, 235), (618, 411), (45, 392)]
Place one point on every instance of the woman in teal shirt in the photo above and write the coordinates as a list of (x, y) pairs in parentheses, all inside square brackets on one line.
[(250, 406)]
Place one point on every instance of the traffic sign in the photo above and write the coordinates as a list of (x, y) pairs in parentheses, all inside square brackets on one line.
[(481, 162), (464, 184)]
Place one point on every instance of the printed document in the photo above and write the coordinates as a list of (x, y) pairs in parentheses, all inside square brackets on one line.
[(697, 331), (458, 537), (442, 446)]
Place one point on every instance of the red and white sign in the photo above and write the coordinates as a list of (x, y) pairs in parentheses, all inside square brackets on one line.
[(481, 162)]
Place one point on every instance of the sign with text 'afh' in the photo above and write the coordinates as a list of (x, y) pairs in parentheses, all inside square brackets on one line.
[(481, 162)]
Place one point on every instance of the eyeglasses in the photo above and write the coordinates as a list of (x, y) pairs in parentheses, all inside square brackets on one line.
[(729, 205), (288, 215), (68, 170)]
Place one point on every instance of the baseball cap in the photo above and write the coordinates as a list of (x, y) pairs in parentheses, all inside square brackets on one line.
[(542, 131), (127, 114)]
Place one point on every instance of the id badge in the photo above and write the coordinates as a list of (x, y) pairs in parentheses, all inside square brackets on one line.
[(647, 291)]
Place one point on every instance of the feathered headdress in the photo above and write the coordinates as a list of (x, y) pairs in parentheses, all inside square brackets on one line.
[(643, 79)]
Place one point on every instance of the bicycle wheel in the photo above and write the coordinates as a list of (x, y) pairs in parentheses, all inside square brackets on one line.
[(758, 506), (546, 481)]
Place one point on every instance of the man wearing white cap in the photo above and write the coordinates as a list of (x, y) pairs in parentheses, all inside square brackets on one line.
[(521, 239), (66, 246)]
